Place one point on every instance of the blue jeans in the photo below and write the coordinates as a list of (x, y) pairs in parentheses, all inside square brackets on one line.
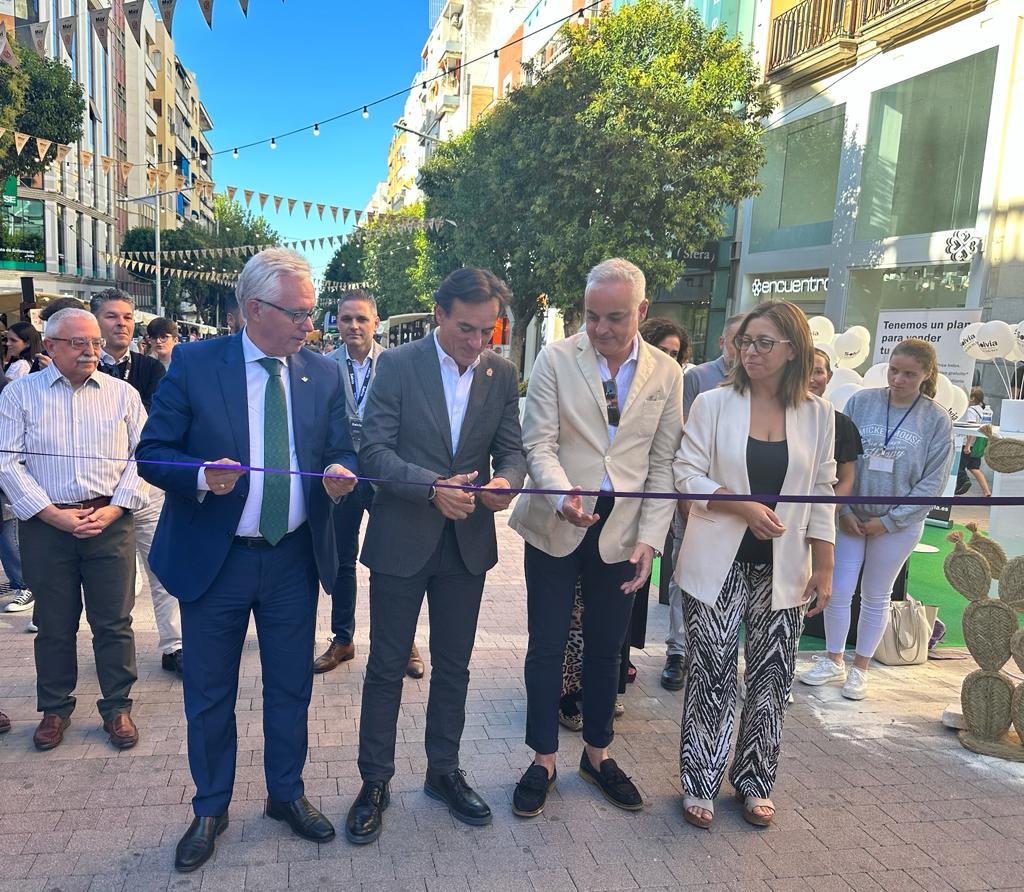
[(10, 554)]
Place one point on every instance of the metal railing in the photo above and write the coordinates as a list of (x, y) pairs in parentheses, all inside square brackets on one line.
[(871, 10), (810, 24)]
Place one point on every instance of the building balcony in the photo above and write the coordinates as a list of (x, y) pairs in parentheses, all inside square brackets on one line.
[(151, 80), (152, 121), (813, 39), (889, 22)]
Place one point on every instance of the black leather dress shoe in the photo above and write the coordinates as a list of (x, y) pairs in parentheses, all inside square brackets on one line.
[(673, 676), (462, 800), (196, 846), (173, 662), (304, 820), (366, 816)]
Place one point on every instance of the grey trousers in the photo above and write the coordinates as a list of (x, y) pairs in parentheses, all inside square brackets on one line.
[(60, 570)]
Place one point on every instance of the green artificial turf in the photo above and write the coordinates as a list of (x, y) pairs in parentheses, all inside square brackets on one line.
[(926, 583)]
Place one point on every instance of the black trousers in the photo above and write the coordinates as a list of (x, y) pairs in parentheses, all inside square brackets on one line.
[(453, 600), (348, 516), (60, 569), (550, 587)]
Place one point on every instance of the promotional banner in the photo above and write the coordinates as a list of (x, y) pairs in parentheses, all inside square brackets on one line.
[(941, 328), (133, 16), (167, 12), (100, 21), (40, 31), (68, 27)]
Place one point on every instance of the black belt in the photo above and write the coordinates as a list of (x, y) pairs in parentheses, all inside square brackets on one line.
[(260, 542)]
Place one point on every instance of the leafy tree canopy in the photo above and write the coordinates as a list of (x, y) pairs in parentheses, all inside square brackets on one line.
[(397, 270)]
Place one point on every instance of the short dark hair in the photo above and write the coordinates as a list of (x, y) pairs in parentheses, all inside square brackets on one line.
[(655, 330), (107, 295), (58, 304), (471, 285), (27, 332), (358, 294), (161, 325)]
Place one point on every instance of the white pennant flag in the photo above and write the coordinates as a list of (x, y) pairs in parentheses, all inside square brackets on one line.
[(7, 54), (100, 19), (40, 31), (67, 27), (133, 16)]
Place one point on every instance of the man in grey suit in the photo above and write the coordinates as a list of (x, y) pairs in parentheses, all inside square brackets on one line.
[(357, 324), (441, 411)]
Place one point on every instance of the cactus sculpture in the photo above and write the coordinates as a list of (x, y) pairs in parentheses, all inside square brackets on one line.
[(991, 703)]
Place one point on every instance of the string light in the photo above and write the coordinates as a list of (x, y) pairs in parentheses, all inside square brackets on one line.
[(316, 130), (234, 153), (273, 143), (579, 18), (495, 54), (366, 112)]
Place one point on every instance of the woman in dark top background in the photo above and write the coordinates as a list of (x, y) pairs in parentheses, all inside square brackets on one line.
[(23, 345), (848, 444)]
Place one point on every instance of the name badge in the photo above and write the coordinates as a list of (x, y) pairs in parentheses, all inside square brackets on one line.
[(355, 425), (880, 462)]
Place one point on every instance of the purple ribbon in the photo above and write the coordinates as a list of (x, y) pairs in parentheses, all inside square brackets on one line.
[(933, 501)]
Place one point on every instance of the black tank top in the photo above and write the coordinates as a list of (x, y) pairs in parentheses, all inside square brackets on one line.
[(767, 464)]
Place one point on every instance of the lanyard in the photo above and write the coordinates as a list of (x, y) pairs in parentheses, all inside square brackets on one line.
[(352, 378), (888, 402)]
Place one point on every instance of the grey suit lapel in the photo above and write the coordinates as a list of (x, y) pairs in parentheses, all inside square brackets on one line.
[(433, 389)]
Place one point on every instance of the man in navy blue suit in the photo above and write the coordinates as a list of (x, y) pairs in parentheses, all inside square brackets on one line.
[(232, 542)]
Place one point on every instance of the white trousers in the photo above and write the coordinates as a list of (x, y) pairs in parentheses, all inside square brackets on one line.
[(165, 605), (882, 558)]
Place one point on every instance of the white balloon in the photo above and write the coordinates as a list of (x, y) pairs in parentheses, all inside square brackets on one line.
[(841, 395), (1018, 332), (861, 332), (851, 351), (960, 403), (843, 376), (822, 329), (996, 339), (944, 392), (969, 340), (828, 350), (877, 375), (1017, 353)]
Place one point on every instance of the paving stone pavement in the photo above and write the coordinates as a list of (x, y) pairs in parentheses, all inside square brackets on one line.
[(871, 795)]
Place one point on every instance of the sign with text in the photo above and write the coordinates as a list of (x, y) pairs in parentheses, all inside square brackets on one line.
[(941, 328)]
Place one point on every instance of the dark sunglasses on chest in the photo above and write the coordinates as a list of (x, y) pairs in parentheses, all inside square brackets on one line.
[(611, 401)]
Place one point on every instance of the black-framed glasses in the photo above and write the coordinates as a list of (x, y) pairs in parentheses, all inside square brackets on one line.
[(761, 345), (611, 401), (297, 316), (81, 343)]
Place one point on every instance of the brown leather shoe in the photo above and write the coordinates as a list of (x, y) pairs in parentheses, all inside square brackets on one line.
[(334, 656), (123, 733), (415, 667), (5, 724), (50, 732)]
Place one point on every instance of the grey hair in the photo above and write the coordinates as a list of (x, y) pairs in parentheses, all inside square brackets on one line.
[(55, 324), (618, 270), (358, 294), (261, 275), (100, 298)]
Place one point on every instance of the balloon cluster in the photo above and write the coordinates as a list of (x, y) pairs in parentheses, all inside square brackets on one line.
[(997, 341), (846, 382), (847, 350)]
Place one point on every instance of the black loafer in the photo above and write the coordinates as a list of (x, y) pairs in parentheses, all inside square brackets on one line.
[(673, 676), (304, 820), (613, 783), (532, 791), (197, 845), (462, 800), (366, 816), (173, 662)]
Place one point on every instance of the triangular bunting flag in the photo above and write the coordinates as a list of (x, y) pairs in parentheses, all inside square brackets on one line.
[(207, 7), (263, 199), (133, 16), (321, 243), (42, 147), (7, 54), (306, 205), (303, 244), (180, 181), (230, 191), (40, 31), (126, 170), (151, 177), (105, 163), (334, 213), (100, 19), (344, 215), (357, 215), (330, 240), (19, 142), (167, 12), (291, 204), (67, 26), (248, 196), (320, 210), (86, 159), (277, 203), (245, 6)]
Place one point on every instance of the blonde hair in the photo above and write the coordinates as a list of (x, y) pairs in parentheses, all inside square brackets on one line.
[(922, 353), (791, 322)]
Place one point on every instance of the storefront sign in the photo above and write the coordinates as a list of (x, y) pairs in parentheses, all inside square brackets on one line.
[(788, 287), (941, 328), (702, 258), (962, 245)]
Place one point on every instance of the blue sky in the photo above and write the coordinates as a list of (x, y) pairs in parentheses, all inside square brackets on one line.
[(288, 65)]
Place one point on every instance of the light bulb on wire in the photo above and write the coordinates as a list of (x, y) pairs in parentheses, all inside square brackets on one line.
[(316, 130), (234, 154), (273, 143), (579, 18), (366, 112)]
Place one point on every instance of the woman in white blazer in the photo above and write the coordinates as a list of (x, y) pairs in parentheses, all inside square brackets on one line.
[(760, 433)]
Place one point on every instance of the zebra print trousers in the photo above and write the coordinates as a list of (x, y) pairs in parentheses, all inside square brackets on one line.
[(770, 646)]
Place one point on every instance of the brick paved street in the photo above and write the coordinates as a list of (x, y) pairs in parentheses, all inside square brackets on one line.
[(871, 795)]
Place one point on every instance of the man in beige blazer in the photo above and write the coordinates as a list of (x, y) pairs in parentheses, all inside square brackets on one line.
[(603, 413)]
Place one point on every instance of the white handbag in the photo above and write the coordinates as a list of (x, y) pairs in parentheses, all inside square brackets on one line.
[(907, 633)]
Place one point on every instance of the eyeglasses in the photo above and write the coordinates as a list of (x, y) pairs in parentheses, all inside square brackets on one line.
[(82, 343), (297, 316), (611, 401), (761, 345), (164, 338)]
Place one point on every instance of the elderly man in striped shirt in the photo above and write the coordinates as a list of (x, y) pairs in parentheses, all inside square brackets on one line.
[(65, 435)]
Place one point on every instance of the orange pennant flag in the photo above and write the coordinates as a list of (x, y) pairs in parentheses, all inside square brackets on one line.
[(231, 190), (334, 213), (86, 158), (19, 142), (357, 215), (248, 196), (42, 147), (344, 215), (291, 204), (263, 199), (106, 162), (307, 205), (180, 181), (126, 169), (320, 209)]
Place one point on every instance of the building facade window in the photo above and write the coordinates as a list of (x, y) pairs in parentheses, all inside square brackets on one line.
[(932, 286), (797, 205), (925, 150), (22, 234)]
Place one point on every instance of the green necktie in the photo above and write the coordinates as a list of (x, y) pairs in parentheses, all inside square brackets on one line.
[(276, 487)]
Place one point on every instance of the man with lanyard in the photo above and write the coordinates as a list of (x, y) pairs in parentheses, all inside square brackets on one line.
[(357, 323)]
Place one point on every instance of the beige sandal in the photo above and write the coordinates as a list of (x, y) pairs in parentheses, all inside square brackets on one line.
[(752, 817), (696, 820)]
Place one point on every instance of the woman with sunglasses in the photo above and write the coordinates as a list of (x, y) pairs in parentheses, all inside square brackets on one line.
[(751, 562)]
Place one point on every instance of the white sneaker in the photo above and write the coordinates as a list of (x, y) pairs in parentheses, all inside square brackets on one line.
[(31, 628), (823, 671), (856, 686), (22, 601)]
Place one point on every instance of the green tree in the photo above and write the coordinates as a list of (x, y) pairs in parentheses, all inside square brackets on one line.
[(396, 272), (631, 146), (42, 99)]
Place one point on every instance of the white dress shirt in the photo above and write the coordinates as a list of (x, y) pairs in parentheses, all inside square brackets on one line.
[(456, 389), (256, 382), (43, 419), (361, 370), (623, 381)]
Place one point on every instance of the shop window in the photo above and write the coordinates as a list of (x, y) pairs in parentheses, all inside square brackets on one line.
[(937, 286), (796, 206), (925, 151), (22, 238)]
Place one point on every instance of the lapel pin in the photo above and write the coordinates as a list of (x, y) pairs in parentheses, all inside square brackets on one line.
[(489, 372), (304, 379)]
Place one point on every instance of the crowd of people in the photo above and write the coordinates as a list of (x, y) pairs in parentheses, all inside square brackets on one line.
[(256, 461)]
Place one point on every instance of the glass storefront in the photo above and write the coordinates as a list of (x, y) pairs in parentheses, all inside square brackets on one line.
[(925, 150), (808, 289), (797, 204), (22, 234)]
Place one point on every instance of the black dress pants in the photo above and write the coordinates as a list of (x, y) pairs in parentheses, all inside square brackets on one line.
[(550, 587), (453, 600)]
